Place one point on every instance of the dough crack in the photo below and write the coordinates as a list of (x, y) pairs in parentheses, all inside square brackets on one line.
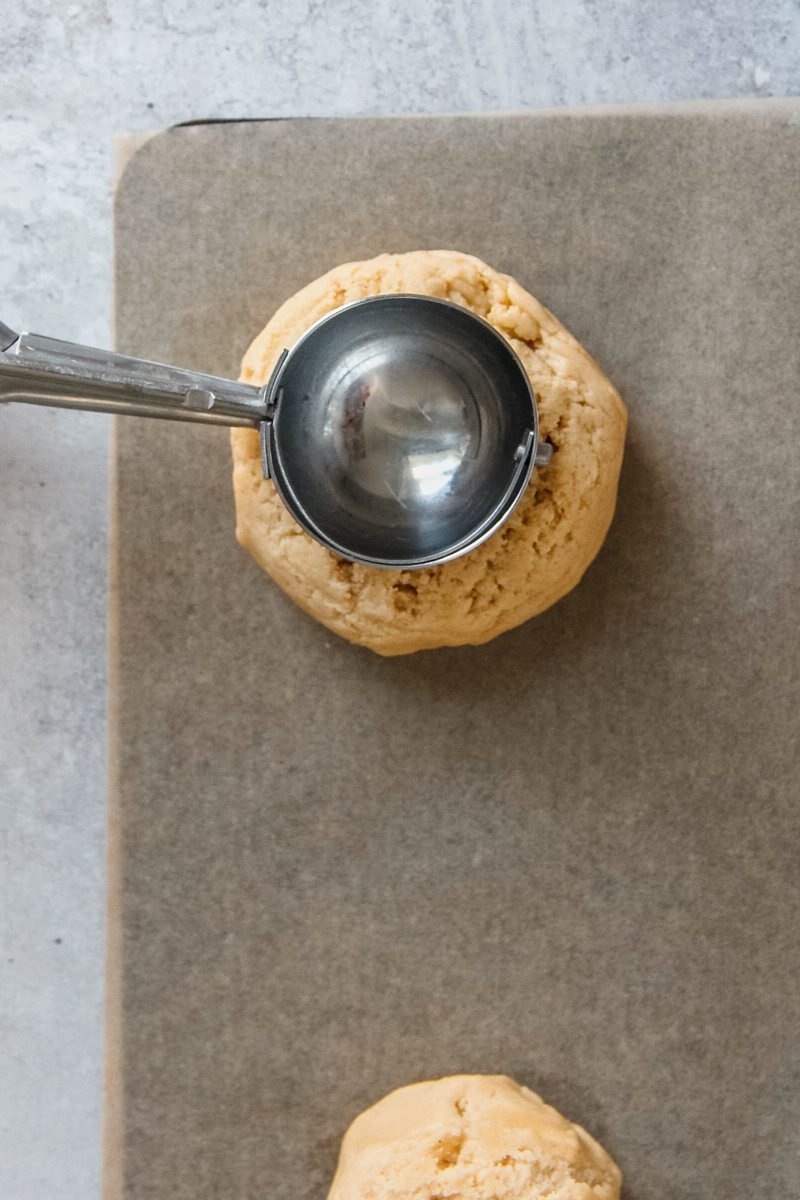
[(448, 1150)]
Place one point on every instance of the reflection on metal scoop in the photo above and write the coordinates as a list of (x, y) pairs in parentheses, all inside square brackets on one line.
[(399, 431), (403, 432)]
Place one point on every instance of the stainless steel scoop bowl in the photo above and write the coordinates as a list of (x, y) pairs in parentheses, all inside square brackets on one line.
[(399, 431)]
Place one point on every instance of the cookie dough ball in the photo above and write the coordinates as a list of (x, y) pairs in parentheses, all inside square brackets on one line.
[(470, 1137), (537, 556)]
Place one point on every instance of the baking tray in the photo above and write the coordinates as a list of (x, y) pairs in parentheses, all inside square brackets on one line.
[(569, 855)]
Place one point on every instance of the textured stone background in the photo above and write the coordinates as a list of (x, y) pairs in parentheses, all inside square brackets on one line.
[(72, 75)]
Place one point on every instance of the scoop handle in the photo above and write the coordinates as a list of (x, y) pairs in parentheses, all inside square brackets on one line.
[(43, 370)]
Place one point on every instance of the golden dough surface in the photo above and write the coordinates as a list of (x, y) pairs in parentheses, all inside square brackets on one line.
[(470, 1137), (547, 543)]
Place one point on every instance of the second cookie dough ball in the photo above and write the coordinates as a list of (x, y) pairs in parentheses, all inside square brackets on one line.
[(470, 1137)]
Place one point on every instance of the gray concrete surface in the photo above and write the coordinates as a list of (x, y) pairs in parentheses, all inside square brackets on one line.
[(72, 75)]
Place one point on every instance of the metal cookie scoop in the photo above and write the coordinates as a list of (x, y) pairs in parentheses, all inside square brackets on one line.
[(399, 431)]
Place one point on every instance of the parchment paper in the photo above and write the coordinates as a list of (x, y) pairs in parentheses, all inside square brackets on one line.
[(570, 855)]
